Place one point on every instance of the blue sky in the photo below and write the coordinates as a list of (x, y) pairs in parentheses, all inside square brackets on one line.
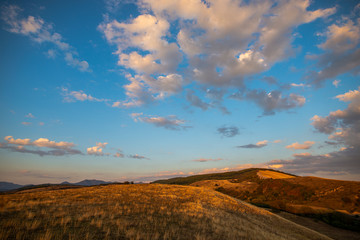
[(142, 90)]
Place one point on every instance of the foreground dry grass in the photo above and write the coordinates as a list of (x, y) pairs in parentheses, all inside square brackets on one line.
[(139, 212)]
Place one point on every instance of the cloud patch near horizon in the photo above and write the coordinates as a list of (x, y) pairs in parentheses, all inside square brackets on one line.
[(207, 160), (21, 145), (137, 156), (343, 129), (259, 144), (305, 145), (97, 150)]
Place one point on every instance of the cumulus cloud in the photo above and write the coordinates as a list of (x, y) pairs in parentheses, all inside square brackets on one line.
[(72, 96), (41, 32), (305, 145), (207, 160), (205, 45), (143, 90), (271, 102), (230, 131), (97, 150), (259, 144), (156, 75), (231, 54), (342, 53), (170, 122), (41, 142), (146, 32), (58, 148), (345, 162), (342, 126)]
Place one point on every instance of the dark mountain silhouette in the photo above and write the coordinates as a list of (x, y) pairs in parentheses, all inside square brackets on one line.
[(7, 186)]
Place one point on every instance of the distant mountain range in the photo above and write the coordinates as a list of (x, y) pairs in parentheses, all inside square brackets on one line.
[(8, 186)]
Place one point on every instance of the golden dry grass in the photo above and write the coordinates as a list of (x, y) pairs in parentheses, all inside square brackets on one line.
[(265, 174), (139, 212)]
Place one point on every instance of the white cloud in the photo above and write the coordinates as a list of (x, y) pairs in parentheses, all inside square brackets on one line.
[(170, 122), (341, 38), (342, 53), (41, 32), (19, 141), (41, 142), (148, 33), (305, 145), (144, 89), (97, 150), (58, 148), (72, 96), (206, 36), (342, 125)]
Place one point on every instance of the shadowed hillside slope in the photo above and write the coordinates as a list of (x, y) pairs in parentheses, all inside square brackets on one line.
[(139, 212), (333, 201)]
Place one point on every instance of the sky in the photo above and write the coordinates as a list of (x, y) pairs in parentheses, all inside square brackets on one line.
[(142, 90)]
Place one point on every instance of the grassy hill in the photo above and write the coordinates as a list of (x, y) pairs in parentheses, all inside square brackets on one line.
[(333, 201), (246, 174), (144, 211)]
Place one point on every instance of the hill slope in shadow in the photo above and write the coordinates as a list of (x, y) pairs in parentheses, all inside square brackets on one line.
[(333, 201)]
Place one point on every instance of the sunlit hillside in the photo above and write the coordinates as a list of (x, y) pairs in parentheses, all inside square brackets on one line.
[(333, 201), (265, 174), (149, 211)]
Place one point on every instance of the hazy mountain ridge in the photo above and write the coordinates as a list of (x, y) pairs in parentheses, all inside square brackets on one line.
[(6, 186), (9, 186)]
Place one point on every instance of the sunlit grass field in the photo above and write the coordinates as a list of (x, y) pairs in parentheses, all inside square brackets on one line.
[(144, 211)]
